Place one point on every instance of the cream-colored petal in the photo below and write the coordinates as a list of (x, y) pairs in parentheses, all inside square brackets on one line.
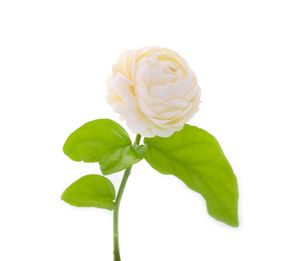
[(153, 90)]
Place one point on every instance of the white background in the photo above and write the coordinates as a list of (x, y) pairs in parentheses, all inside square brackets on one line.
[(54, 60)]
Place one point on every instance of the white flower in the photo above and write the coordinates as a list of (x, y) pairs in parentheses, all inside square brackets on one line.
[(154, 91)]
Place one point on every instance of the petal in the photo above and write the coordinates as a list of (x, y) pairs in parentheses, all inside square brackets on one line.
[(123, 87)]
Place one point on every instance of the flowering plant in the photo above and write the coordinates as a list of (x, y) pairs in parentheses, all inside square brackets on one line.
[(156, 93)]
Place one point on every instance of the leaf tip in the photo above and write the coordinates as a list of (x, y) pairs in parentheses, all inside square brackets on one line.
[(63, 197), (233, 222)]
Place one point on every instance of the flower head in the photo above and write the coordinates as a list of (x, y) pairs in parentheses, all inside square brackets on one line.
[(154, 91)]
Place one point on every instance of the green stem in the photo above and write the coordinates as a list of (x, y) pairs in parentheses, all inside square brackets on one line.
[(116, 209)]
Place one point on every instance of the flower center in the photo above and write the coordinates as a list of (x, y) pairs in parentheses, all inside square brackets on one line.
[(172, 68)]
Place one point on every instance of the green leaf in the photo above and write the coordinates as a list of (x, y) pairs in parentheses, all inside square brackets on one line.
[(120, 159), (94, 139), (103, 141), (195, 157), (90, 191)]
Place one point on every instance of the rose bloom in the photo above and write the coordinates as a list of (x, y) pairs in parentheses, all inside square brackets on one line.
[(154, 91)]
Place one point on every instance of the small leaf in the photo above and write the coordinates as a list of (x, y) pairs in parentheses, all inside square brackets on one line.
[(195, 157), (118, 160), (90, 191), (103, 141)]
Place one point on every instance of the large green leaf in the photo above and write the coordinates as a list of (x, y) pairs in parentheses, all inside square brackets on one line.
[(90, 191), (195, 157), (103, 141)]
